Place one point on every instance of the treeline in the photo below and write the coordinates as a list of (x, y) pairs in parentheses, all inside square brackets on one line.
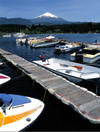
[(10, 28), (42, 29)]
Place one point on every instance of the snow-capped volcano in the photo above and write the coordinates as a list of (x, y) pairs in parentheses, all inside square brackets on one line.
[(48, 18), (47, 14)]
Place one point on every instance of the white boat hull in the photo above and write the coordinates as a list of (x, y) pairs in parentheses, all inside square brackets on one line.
[(45, 44), (20, 116), (74, 72), (4, 79)]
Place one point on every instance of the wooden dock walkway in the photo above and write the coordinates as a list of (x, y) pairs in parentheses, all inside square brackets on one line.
[(80, 99)]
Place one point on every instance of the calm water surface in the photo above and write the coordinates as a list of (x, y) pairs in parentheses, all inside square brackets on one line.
[(56, 115)]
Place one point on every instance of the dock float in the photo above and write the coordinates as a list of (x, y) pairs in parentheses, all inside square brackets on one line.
[(86, 103)]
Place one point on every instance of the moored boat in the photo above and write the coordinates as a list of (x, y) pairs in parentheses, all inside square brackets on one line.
[(86, 55), (96, 44), (6, 35), (67, 47), (19, 35), (44, 44), (21, 40), (18, 112), (74, 72), (4, 78)]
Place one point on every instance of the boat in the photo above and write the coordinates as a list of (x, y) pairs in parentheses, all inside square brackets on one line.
[(96, 44), (86, 55), (18, 112), (49, 37), (66, 47), (44, 44), (48, 41), (21, 40), (6, 35), (4, 79), (19, 35), (74, 72)]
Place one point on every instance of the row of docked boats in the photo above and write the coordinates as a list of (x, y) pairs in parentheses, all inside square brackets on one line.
[(37, 42), (17, 112), (61, 45), (74, 69)]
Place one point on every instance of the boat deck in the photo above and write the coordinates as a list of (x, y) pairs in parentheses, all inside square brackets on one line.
[(80, 99)]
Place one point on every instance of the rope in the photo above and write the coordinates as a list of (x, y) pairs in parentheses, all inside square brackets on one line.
[(14, 79), (18, 77)]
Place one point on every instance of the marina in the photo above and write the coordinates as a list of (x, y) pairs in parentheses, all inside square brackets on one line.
[(80, 99), (73, 125)]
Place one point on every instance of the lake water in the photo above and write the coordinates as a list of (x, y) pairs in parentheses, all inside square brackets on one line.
[(56, 115)]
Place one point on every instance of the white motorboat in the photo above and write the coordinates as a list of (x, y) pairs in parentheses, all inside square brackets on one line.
[(18, 112), (66, 47), (49, 37), (4, 78), (19, 35), (86, 55), (21, 40), (44, 44), (74, 72), (7, 35), (96, 44)]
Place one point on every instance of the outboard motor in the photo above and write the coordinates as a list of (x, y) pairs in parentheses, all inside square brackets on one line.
[(42, 57), (79, 56)]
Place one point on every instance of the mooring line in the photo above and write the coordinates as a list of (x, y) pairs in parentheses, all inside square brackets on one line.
[(18, 77)]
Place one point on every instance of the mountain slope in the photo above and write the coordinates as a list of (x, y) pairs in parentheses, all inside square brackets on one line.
[(49, 18), (21, 21)]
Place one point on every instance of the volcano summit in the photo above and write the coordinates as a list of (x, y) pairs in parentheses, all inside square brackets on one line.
[(48, 18)]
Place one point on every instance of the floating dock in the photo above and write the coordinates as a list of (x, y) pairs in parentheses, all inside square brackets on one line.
[(80, 99)]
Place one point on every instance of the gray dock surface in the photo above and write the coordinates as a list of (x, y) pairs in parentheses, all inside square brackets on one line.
[(80, 99)]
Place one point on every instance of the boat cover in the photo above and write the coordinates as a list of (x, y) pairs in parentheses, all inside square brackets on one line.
[(5, 98), (15, 99), (19, 100)]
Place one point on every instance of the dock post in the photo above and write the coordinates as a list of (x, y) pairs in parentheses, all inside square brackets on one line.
[(44, 95), (33, 83)]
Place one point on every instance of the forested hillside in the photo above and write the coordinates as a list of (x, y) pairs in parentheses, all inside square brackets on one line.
[(41, 29)]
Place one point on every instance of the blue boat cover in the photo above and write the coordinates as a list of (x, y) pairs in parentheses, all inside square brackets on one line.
[(15, 99), (19, 100), (5, 98)]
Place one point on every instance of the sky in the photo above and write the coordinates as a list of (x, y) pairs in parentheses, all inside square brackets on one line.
[(70, 10)]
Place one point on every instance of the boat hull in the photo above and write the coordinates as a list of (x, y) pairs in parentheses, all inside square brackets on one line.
[(45, 44), (4, 79), (20, 115), (74, 72)]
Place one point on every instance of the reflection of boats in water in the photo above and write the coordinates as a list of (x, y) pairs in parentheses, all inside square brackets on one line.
[(67, 47), (74, 72), (18, 112), (86, 55)]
